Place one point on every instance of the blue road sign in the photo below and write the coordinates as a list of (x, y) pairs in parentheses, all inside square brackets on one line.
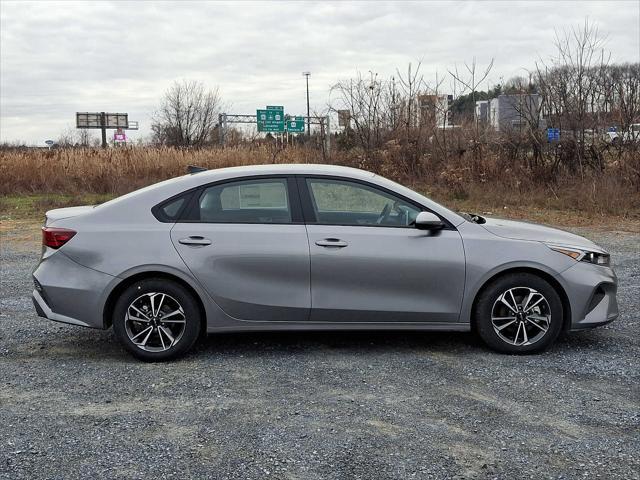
[(553, 134)]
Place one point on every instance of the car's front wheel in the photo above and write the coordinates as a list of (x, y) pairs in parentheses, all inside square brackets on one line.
[(519, 313), (156, 319)]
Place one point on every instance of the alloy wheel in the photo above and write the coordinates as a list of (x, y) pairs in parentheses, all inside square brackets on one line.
[(155, 322), (521, 316)]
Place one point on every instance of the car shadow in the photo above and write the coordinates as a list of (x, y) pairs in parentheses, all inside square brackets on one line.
[(458, 343), (102, 345), (64, 342), (257, 343)]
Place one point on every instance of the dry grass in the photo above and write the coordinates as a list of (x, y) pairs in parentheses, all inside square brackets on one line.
[(118, 171), (34, 180)]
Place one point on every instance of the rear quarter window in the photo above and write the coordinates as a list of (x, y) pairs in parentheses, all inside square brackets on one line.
[(171, 210)]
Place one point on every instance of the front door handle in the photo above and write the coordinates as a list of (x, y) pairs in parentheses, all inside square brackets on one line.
[(332, 242), (195, 240)]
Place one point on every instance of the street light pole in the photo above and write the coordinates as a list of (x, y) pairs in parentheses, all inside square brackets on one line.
[(307, 75)]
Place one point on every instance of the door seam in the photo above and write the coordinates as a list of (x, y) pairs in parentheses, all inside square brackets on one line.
[(306, 229)]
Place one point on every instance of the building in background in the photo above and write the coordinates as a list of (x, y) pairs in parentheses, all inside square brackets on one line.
[(511, 112), (435, 110), (482, 111)]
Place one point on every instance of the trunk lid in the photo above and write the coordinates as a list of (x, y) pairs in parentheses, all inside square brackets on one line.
[(59, 213)]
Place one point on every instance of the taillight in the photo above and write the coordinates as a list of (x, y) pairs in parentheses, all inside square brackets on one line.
[(53, 237)]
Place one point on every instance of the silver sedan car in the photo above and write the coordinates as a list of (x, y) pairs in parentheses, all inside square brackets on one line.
[(311, 247)]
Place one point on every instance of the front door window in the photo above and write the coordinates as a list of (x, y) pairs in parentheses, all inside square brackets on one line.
[(339, 202)]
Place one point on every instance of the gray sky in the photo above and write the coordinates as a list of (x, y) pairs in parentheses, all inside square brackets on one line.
[(57, 58)]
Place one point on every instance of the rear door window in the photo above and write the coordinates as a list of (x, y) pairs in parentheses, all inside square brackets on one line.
[(247, 201)]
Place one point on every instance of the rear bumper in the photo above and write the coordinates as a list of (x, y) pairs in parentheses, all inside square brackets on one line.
[(68, 292), (45, 311)]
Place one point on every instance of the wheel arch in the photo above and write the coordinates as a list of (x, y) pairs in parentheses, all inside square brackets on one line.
[(112, 298), (566, 304)]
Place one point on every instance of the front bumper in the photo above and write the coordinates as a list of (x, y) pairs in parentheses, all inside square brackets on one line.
[(591, 290), (602, 308)]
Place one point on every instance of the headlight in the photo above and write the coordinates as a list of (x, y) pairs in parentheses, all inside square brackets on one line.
[(597, 258)]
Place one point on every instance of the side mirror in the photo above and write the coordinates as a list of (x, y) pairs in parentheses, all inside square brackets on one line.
[(428, 221)]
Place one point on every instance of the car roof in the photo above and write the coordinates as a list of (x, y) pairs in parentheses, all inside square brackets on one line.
[(196, 179), (153, 194), (284, 169)]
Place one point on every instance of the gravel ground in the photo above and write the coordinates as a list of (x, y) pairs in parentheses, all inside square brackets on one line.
[(318, 406)]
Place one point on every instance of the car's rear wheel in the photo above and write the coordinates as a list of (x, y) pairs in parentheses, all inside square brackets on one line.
[(156, 319), (519, 313)]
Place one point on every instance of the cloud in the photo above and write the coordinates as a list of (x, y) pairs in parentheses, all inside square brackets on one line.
[(57, 58)]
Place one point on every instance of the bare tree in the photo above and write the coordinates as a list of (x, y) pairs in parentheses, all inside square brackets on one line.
[(625, 94), (524, 99), (471, 81), (572, 87), (366, 99), (410, 84), (422, 113), (387, 114), (442, 112), (187, 115), (84, 137), (77, 137)]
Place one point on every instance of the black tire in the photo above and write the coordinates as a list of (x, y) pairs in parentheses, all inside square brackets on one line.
[(519, 284), (184, 334)]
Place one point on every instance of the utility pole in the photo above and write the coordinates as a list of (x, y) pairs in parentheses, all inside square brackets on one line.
[(103, 122), (222, 127), (393, 103), (307, 75)]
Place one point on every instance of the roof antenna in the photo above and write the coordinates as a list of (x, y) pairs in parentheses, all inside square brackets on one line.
[(191, 169)]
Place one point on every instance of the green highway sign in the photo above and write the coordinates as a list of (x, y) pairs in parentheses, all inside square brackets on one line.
[(295, 125), (271, 119)]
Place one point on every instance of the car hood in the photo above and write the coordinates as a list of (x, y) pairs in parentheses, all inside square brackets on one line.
[(539, 233)]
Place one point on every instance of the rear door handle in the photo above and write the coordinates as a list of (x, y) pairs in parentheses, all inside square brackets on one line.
[(332, 242), (195, 240)]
